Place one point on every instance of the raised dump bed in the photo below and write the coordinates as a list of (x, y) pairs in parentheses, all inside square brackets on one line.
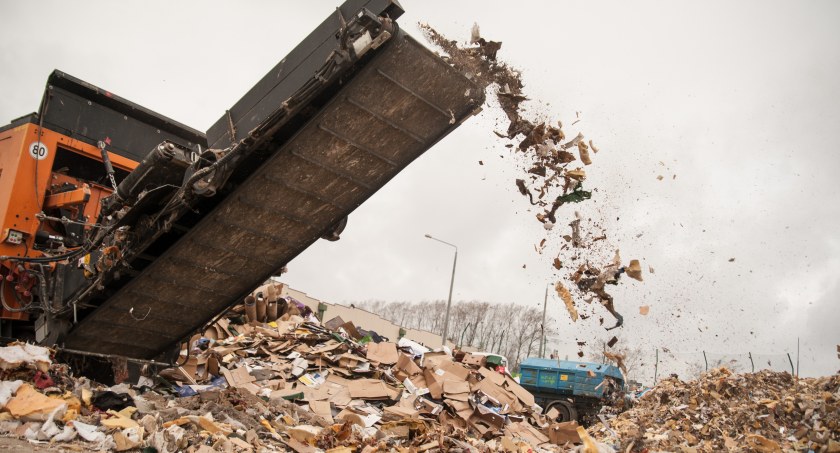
[(301, 176), (572, 388)]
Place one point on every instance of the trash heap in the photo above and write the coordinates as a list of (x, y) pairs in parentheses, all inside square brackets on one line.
[(765, 411), (282, 384)]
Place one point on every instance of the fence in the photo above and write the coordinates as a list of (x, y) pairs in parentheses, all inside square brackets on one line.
[(651, 367)]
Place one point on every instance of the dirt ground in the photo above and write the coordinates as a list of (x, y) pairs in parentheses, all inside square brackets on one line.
[(13, 445)]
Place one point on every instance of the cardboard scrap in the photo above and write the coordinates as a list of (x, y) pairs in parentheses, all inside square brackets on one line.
[(454, 370), (435, 359), (494, 376), (567, 299), (434, 383), (351, 330), (237, 377), (334, 323), (526, 432), (407, 365), (634, 270), (474, 359), (371, 389), (561, 433), (120, 420), (29, 404), (525, 396), (385, 353), (303, 433), (453, 387)]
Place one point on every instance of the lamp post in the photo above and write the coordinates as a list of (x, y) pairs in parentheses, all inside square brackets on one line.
[(451, 284), (545, 305)]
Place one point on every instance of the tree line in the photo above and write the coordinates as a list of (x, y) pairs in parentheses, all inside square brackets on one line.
[(511, 330)]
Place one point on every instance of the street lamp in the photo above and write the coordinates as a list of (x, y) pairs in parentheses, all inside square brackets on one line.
[(545, 305), (451, 284)]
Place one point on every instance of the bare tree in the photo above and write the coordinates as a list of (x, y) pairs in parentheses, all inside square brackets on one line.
[(633, 355), (507, 329)]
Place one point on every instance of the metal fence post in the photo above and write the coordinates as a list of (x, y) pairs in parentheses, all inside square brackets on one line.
[(706, 360), (791, 363), (752, 364), (656, 367)]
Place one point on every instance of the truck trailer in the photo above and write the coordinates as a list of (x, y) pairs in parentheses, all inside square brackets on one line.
[(576, 390)]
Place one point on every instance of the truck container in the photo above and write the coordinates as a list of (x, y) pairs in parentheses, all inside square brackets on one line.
[(575, 389)]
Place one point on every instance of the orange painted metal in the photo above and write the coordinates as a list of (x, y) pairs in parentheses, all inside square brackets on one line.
[(69, 198), (26, 176)]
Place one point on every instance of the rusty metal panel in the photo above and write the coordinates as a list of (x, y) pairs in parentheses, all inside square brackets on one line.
[(393, 110)]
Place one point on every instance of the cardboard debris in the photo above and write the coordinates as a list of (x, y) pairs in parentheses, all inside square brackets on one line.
[(371, 389), (766, 411), (251, 388), (561, 433), (237, 377), (634, 270), (385, 353), (567, 300), (322, 409), (30, 405)]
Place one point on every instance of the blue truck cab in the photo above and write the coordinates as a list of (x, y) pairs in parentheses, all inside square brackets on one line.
[(574, 389)]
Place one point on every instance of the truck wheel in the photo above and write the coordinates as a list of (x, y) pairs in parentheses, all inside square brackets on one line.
[(566, 409)]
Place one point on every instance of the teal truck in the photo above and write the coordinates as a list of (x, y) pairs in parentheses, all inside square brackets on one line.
[(576, 390)]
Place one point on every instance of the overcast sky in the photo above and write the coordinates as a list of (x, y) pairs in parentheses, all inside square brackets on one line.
[(739, 100)]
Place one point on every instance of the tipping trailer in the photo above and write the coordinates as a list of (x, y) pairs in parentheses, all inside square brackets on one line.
[(575, 389), (124, 232)]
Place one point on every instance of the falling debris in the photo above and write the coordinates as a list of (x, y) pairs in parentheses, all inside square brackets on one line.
[(731, 260), (618, 358), (592, 280), (475, 34), (542, 145), (550, 182), (644, 310), (583, 150), (612, 341), (634, 270), (567, 299)]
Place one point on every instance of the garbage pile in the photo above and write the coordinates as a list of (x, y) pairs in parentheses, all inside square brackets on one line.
[(765, 411), (253, 383)]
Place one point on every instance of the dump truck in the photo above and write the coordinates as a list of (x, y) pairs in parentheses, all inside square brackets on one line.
[(576, 390), (124, 231)]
